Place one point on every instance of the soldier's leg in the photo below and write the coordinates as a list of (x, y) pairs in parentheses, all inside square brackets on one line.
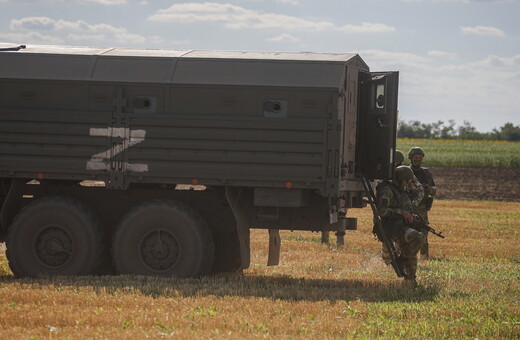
[(385, 253), (409, 244), (425, 247)]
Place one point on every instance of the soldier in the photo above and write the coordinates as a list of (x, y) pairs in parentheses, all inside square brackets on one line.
[(395, 209), (415, 189), (425, 177), (398, 158)]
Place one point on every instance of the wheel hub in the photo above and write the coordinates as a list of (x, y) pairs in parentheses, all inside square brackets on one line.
[(54, 247), (159, 250)]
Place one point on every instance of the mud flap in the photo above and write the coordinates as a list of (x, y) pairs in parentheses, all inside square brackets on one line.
[(274, 247), (243, 223)]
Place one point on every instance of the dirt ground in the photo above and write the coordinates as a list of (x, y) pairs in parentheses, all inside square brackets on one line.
[(462, 183), (458, 183)]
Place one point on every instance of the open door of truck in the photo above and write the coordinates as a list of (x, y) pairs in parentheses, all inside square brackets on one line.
[(377, 119)]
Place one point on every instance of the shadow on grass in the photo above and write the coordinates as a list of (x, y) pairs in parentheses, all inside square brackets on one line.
[(242, 285), (440, 259)]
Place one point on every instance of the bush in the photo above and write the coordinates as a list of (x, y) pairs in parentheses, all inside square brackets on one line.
[(440, 130)]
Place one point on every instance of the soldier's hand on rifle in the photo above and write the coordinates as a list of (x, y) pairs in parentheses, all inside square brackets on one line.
[(407, 216)]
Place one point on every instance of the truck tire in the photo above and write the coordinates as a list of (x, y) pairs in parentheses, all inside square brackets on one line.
[(54, 236), (163, 238)]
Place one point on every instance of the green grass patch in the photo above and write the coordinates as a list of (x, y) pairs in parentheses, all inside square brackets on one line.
[(451, 152)]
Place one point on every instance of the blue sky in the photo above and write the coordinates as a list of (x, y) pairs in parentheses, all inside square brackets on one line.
[(458, 59)]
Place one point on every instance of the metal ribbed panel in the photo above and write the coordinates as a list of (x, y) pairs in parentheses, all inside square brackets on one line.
[(55, 144), (60, 145), (239, 149)]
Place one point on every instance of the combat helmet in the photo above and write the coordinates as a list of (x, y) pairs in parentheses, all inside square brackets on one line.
[(398, 156), (403, 173), (415, 151)]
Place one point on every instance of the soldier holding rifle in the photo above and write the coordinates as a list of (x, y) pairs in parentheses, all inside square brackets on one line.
[(425, 177), (415, 189), (395, 209)]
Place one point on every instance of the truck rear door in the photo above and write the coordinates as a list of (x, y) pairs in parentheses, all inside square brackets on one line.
[(377, 119)]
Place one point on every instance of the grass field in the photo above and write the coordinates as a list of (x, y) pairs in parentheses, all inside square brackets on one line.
[(470, 289), (451, 152)]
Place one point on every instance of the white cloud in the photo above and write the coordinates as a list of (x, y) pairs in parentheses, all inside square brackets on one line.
[(101, 2), (290, 2), (284, 37), (32, 23), (496, 62), (30, 38), (95, 38), (465, 1), (432, 89), (366, 27), (482, 30), (45, 23), (119, 38), (75, 31), (442, 54), (236, 17), (185, 42), (395, 60)]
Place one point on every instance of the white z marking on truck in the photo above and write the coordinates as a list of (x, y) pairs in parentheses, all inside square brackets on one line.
[(101, 161)]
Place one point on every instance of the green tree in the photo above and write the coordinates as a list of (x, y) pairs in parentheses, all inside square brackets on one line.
[(508, 132), (468, 131), (416, 129)]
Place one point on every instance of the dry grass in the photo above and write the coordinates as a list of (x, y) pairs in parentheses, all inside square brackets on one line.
[(470, 290)]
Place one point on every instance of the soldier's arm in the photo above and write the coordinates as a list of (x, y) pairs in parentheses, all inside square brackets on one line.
[(432, 190), (416, 191)]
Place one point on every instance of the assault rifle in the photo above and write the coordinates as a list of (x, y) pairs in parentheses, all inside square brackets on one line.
[(380, 232), (421, 223)]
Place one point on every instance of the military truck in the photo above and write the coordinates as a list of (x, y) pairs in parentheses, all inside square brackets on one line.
[(159, 162)]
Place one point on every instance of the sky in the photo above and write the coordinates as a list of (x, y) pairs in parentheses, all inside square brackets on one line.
[(458, 59)]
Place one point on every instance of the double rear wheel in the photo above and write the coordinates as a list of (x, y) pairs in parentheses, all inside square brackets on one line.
[(61, 236), (163, 238)]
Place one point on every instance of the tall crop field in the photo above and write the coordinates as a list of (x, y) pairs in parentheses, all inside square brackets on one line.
[(469, 289), (451, 152)]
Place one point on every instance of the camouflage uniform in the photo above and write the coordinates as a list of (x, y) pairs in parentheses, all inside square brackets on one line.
[(415, 189), (392, 200), (425, 177)]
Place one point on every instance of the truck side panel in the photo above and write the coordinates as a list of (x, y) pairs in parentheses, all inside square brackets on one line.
[(226, 152), (166, 134), (53, 144)]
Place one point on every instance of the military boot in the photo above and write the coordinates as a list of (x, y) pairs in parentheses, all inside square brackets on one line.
[(409, 283), (410, 276)]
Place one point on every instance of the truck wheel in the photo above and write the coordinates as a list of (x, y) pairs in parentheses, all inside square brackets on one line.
[(163, 238), (54, 236)]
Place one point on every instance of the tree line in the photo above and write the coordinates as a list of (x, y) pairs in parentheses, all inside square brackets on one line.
[(440, 129)]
